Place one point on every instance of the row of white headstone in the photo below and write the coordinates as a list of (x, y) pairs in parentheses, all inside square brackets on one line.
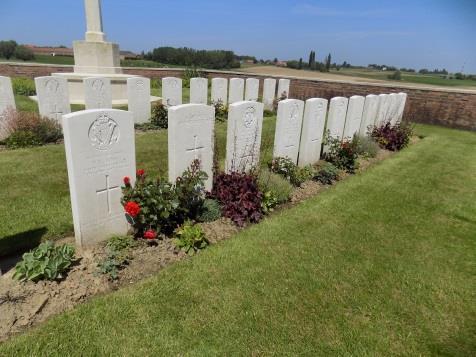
[(100, 146), (239, 90)]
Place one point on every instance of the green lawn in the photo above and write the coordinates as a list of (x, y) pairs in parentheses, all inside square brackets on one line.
[(381, 264), (46, 59)]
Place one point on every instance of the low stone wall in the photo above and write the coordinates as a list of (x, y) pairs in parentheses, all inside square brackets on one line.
[(453, 108)]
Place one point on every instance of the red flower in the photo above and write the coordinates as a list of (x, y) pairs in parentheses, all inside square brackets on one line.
[(150, 234), (127, 181), (140, 173), (132, 208)]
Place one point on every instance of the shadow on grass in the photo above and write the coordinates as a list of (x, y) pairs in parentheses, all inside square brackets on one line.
[(21, 242)]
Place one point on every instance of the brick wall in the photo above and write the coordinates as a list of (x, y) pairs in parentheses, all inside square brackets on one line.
[(452, 108)]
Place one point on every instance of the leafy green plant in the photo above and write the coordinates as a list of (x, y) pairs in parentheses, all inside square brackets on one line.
[(46, 262), (221, 111), (366, 146), (190, 73), (211, 211), (342, 153), (117, 258), (281, 187), (23, 86), (327, 174), (269, 201), (119, 243), (190, 191), (290, 171), (268, 113), (160, 116), (190, 238), (25, 129)]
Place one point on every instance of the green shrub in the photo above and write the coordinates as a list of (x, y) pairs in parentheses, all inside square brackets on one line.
[(327, 174), (268, 113), (117, 258), (190, 73), (25, 129), (281, 188), (46, 262), (23, 86), (190, 238), (290, 171), (211, 211), (221, 111), (119, 243), (156, 206), (343, 154), (24, 53), (366, 146), (160, 116), (269, 201), (394, 137), (396, 76)]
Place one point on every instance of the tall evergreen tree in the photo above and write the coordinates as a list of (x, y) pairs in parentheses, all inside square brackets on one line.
[(300, 64), (328, 63)]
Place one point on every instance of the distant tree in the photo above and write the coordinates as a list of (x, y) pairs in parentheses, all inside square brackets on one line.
[(328, 63), (310, 59), (396, 76), (275, 60), (300, 64), (423, 71), (24, 53), (459, 75), (7, 49)]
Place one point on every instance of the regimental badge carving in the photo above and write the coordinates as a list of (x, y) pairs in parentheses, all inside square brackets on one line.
[(140, 85), (98, 86), (294, 112), (173, 83), (104, 133), (250, 117), (52, 85)]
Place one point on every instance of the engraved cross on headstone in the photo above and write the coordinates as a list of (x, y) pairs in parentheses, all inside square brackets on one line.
[(196, 148), (108, 191), (57, 113)]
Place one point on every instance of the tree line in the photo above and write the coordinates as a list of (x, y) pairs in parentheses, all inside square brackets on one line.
[(210, 59), (10, 49)]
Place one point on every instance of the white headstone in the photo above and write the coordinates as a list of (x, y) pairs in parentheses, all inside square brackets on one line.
[(100, 152), (237, 88), (98, 93), (370, 113), (245, 123), (190, 132), (383, 107), (354, 116), (199, 91), (171, 91), (269, 93), (288, 129), (7, 100), (53, 97), (138, 94), (312, 131), (393, 108), (401, 106), (336, 119), (283, 88), (220, 90), (252, 89)]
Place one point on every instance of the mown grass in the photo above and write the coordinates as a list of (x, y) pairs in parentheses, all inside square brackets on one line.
[(380, 264), (46, 59)]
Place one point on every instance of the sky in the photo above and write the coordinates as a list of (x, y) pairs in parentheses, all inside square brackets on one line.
[(404, 33)]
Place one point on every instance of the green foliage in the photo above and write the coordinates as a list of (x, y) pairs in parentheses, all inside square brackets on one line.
[(24, 53), (327, 174), (396, 76), (190, 73), (190, 238), (394, 137), (366, 146), (289, 170), (269, 201), (160, 116), (281, 187), (26, 129), (117, 256), (268, 113), (46, 262), (211, 211), (189, 57), (23, 86), (157, 205), (221, 111), (7, 49), (342, 153)]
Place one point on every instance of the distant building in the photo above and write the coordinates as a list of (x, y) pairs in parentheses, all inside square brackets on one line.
[(129, 55)]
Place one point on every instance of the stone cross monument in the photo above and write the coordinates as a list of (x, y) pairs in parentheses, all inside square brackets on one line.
[(95, 55)]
